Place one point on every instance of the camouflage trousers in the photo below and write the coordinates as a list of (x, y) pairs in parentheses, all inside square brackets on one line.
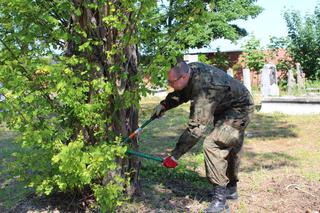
[(223, 145)]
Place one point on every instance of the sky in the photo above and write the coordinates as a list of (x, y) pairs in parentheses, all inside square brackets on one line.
[(268, 23)]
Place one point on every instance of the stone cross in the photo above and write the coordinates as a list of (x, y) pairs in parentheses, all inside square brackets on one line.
[(300, 76), (291, 82)]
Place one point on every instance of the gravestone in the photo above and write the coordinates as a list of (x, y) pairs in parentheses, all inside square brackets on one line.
[(247, 79), (230, 72), (300, 76), (269, 81), (291, 82)]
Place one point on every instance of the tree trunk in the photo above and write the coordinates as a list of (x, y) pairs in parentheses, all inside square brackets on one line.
[(134, 163), (124, 120)]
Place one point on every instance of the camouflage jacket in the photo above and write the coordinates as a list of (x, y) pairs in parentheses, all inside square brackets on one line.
[(211, 92)]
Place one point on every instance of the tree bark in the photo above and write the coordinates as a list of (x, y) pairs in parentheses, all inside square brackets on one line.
[(124, 120)]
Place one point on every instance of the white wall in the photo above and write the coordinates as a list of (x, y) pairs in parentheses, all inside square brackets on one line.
[(190, 58)]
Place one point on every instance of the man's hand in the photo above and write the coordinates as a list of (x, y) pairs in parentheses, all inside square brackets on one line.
[(158, 111), (170, 162)]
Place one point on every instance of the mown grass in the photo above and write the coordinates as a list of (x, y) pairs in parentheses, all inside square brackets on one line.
[(11, 191), (275, 143), (276, 146), (160, 136)]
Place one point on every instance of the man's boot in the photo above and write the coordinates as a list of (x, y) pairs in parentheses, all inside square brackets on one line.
[(232, 193), (219, 202)]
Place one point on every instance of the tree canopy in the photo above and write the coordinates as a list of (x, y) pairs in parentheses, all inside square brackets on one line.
[(253, 56), (304, 40)]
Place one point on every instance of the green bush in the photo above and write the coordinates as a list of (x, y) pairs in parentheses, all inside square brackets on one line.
[(52, 117)]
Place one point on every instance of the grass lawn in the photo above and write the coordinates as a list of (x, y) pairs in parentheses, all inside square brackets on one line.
[(11, 191), (279, 173)]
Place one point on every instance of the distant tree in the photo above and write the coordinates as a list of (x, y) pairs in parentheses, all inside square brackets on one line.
[(284, 62), (220, 60), (72, 77), (304, 40), (253, 56), (204, 59)]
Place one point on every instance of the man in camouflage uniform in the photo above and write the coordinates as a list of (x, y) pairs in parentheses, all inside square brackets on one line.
[(221, 106)]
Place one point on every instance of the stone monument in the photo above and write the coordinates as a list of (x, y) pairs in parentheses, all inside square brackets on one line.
[(269, 81), (247, 78), (291, 82), (300, 76), (286, 104)]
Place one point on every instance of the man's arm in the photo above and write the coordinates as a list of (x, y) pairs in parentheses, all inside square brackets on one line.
[(174, 99), (201, 114)]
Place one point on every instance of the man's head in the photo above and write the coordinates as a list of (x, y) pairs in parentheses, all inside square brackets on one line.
[(178, 76)]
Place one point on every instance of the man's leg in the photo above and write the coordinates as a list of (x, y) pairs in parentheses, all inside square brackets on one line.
[(217, 147), (221, 152), (216, 162), (221, 148), (233, 169), (216, 167)]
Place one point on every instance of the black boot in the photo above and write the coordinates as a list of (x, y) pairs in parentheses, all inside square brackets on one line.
[(232, 193), (219, 202)]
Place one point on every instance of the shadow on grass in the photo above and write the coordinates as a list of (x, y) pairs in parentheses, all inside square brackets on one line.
[(57, 202), (161, 135), (11, 191), (271, 160), (161, 186), (270, 126), (171, 190)]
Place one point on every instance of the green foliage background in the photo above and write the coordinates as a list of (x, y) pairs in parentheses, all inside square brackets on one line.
[(253, 56), (304, 40)]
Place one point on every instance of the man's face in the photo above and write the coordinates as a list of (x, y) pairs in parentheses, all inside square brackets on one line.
[(177, 82)]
